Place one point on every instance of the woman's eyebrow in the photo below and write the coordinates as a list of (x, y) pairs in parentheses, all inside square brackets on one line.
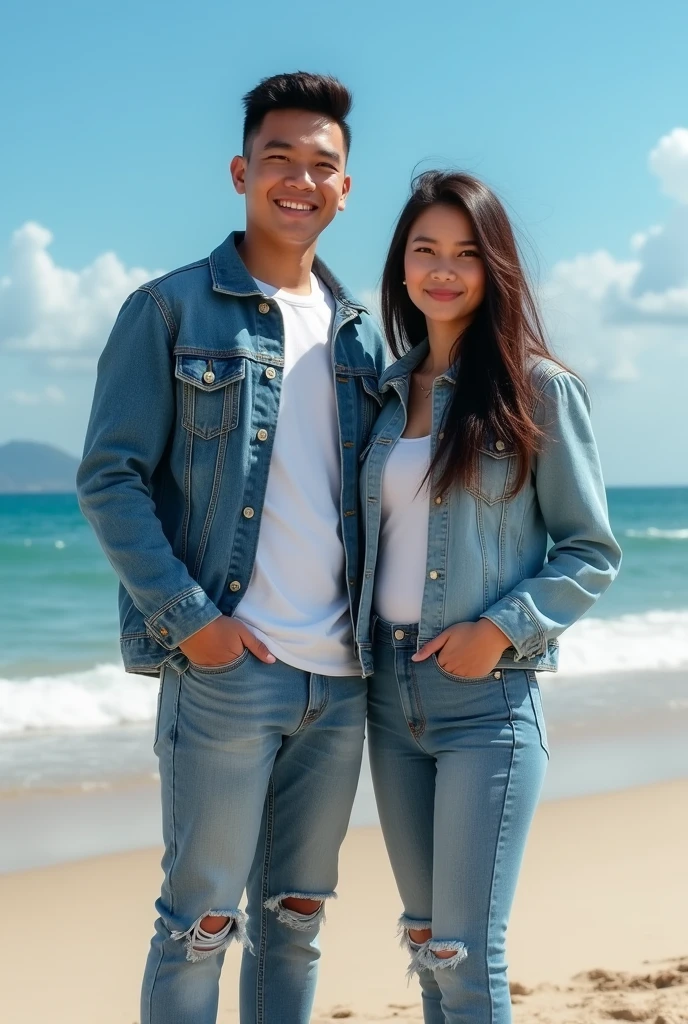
[(433, 241)]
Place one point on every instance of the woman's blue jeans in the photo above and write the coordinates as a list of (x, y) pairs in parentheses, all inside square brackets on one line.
[(457, 765), (258, 766)]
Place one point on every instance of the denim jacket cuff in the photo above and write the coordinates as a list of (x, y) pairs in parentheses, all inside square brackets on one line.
[(519, 625), (181, 617)]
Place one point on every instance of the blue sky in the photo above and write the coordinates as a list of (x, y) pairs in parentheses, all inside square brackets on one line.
[(122, 119)]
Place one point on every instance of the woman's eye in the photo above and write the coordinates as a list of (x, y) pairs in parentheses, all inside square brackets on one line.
[(470, 252), (423, 249)]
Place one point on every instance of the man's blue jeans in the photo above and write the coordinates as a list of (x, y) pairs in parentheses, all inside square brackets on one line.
[(457, 766), (259, 765)]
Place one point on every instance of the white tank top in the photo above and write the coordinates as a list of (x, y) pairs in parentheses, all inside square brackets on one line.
[(403, 548)]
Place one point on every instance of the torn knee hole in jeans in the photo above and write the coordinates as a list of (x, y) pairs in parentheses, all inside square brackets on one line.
[(200, 943), (295, 919), (428, 955)]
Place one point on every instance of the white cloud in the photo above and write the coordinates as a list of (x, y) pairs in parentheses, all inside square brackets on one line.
[(669, 161), (605, 314), (49, 395), (51, 309)]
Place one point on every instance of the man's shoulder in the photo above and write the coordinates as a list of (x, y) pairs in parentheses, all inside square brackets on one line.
[(176, 283)]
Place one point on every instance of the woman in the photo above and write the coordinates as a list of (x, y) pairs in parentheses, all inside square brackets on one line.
[(483, 447)]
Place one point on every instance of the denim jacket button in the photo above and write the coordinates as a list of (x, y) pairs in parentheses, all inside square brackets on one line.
[(438, 499), (399, 634), (500, 446), (270, 372), (264, 307), (262, 435), (209, 376), (234, 586), (248, 512), (433, 574)]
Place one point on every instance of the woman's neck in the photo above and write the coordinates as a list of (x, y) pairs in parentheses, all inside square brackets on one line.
[(444, 341)]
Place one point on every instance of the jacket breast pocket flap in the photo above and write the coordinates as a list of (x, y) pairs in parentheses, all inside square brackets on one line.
[(496, 470), (211, 393)]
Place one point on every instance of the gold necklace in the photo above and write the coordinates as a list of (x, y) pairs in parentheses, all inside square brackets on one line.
[(426, 391)]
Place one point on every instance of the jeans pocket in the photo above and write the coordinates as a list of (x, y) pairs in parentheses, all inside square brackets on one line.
[(538, 711), (215, 670), (463, 680)]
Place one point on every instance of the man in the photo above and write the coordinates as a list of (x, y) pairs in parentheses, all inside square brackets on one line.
[(220, 473)]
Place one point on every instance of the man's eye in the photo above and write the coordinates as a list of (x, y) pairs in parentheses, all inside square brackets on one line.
[(330, 167)]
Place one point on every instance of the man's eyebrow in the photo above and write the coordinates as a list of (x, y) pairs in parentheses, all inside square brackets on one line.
[(329, 154), (433, 241)]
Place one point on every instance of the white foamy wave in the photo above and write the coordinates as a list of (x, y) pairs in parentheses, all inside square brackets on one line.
[(102, 696), (653, 640), (654, 533)]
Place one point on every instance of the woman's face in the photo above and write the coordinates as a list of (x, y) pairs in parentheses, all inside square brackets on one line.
[(444, 271)]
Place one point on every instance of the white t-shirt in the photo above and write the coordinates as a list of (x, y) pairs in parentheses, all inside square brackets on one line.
[(296, 600), (403, 550)]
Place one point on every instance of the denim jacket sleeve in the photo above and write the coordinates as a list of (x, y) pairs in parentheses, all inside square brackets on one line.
[(585, 557), (131, 419)]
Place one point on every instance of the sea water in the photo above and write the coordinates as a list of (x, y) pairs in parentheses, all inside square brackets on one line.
[(71, 717)]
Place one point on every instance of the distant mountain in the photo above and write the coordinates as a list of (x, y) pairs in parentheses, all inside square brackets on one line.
[(30, 468)]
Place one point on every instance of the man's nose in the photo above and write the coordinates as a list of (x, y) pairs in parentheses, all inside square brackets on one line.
[(300, 178)]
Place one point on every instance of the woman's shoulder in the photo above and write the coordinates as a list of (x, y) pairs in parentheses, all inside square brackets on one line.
[(558, 391), (549, 376)]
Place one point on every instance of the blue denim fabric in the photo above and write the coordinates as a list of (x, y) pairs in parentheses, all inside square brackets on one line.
[(173, 476), (488, 554), (457, 766), (259, 765)]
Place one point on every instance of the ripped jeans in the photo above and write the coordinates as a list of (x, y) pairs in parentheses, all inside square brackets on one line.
[(457, 765), (259, 765)]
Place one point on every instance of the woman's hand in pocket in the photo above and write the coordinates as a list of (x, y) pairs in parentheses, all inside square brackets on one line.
[(468, 649), (221, 642)]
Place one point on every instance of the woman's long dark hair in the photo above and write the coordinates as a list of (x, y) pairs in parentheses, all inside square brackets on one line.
[(494, 394)]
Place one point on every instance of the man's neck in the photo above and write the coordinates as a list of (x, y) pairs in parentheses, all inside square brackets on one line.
[(287, 267)]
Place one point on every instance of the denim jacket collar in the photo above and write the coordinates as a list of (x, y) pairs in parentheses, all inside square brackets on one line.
[(405, 366), (229, 274)]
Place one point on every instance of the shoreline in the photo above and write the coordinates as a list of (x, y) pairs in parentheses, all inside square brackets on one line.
[(603, 889), (612, 752)]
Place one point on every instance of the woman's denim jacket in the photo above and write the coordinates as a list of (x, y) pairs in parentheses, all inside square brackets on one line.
[(178, 446), (487, 554)]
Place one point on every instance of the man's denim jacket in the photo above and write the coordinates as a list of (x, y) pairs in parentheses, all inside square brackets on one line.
[(487, 554), (178, 446)]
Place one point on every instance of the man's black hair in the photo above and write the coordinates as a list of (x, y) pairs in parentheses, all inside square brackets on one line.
[(299, 90)]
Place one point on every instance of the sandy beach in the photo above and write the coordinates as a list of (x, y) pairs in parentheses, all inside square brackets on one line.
[(598, 933)]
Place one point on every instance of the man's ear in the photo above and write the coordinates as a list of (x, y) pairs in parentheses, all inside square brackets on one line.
[(237, 169), (346, 188)]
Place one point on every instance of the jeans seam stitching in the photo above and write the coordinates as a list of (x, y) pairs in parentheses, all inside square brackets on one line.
[(260, 1005), (497, 845)]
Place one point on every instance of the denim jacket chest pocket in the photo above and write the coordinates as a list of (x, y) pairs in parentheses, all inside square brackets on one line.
[(496, 470), (211, 393)]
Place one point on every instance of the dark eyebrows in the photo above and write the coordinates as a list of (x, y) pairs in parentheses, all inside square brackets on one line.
[(433, 241), (329, 154)]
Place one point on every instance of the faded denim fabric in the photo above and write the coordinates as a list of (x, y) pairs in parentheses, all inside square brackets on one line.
[(488, 554), (458, 766), (258, 769), (174, 471)]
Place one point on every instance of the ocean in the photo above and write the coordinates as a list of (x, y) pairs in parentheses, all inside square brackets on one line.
[(71, 720)]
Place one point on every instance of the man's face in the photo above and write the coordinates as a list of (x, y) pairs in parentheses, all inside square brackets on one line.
[(293, 176)]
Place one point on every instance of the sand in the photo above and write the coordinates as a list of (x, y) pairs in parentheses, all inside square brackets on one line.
[(599, 931)]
